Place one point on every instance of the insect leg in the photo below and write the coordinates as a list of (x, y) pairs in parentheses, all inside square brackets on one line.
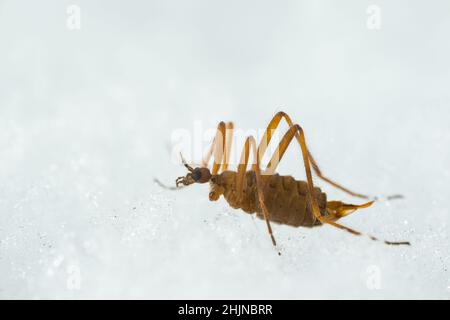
[(228, 142), (220, 148), (240, 180), (275, 160), (273, 125)]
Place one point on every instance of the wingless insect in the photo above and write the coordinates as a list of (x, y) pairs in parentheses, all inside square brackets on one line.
[(274, 198)]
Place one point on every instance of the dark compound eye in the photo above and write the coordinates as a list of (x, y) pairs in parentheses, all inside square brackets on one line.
[(196, 174)]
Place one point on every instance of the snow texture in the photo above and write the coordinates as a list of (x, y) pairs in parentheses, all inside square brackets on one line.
[(87, 118)]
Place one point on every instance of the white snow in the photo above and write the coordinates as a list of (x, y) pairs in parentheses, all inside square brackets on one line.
[(87, 116)]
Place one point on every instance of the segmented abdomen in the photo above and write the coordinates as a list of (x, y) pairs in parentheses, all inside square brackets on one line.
[(285, 198)]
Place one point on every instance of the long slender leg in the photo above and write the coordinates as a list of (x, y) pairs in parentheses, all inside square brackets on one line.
[(273, 125), (228, 142), (275, 160), (220, 148), (242, 168)]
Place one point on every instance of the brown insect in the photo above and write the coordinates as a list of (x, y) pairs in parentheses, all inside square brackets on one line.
[(274, 198)]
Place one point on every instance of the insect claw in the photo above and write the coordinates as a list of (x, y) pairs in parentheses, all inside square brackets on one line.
[(179, 181)]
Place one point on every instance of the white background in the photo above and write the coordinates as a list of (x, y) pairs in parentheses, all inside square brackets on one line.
[(87, 116)]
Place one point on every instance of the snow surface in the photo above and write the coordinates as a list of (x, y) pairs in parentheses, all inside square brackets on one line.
[(87, 119)]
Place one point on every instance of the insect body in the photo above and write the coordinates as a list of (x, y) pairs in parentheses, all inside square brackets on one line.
[(274, 198), (286, 198)]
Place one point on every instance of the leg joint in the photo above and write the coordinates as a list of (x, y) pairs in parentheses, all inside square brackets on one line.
[(298, 128)]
